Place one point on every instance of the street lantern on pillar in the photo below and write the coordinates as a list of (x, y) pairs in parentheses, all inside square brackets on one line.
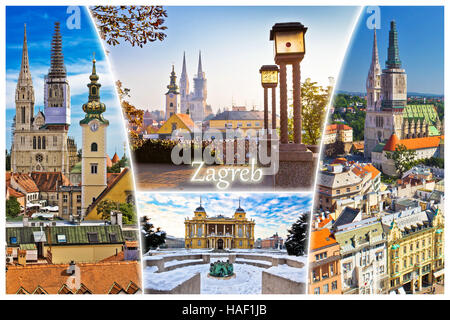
[(269, 79), (289, 46)]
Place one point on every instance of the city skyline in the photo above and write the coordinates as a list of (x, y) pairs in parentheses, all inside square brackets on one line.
[(232, 52), (272, 213), (78, 46), (425, 76)]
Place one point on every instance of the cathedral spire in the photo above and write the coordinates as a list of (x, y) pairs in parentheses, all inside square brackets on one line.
[(57, 68), (375, 60), (200, 71), (184, 70), (25, 74), (393, 61)]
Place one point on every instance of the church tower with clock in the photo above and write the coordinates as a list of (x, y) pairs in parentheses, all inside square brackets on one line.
[(172, 96), (93, 160)]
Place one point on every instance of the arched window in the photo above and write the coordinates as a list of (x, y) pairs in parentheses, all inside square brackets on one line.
[(23, 115), (94, 147), (43, 142), (34, 142), (39, 142)]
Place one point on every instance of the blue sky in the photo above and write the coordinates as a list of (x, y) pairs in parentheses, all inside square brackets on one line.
[(78, 48), (272, 212), (421, 47), (235, 43)]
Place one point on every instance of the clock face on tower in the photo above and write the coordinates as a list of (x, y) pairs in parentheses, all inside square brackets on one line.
[(94, 126)]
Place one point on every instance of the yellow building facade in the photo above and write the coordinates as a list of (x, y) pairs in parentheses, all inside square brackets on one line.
[(93, 159), (176, 122), (120, 190), (219, 232), (416, 254)]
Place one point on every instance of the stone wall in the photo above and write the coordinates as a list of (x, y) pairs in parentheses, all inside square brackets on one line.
[(190, 286), (273, 284)]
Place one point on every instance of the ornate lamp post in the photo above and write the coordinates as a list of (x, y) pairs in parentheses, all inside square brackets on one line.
[(269, 79), (289, 41)]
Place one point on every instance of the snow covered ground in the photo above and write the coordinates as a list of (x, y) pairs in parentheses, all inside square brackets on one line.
[(248, 278)]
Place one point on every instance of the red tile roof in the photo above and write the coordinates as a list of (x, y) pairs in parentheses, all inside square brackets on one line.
[(412, 144), (374, 171), (331, 128), (115, 158), (321, 238), (96, 278), (25, 181), (109, 163), (49, 181)]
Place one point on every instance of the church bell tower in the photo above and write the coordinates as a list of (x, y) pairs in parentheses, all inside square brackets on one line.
[(94, 133)]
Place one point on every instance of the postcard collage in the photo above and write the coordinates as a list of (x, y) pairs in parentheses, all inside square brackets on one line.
[(211, 150)]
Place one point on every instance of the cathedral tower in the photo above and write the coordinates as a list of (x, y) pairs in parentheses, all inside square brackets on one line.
[(172, 95), (24, 91), (393, 77), (56, 88), (94, 125), (184, 88), (373, 83)]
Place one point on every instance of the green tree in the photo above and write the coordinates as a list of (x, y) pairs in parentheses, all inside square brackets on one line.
[(404, 159), (134, 24), (12, 207), (297, 241), (151, 239), (314, 102), (128, 210)]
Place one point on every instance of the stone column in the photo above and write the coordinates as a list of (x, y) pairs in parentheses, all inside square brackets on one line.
[(216, 230), (283, 105), (297, 103), (266, 110), (274, 109)]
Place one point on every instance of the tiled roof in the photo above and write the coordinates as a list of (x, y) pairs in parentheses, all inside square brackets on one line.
[(374, 171), (358, 145), (25, 181), (109, 163), (95, 278), (49, 181), (321, 238), (186, 119), (115, 158), (332, 128), (412, 144), (75, 235), (15, 193)]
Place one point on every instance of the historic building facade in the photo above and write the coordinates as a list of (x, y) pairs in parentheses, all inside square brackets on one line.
[(387, 109), (219, 232), (415, 244), (40, 141), (94, 130), (194, 103)]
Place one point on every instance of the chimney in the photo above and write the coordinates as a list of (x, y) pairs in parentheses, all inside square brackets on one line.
[(116, 218), (71, 268), (25, 220), (22, 257)]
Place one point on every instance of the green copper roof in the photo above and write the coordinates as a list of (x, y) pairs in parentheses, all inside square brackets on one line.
[(74, 235), (393, 61), (94, 107), (173, 88), (426, 112), (379, 147)]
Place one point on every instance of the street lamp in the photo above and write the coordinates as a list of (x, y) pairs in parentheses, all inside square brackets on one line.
[(289, 46), (269, 79)]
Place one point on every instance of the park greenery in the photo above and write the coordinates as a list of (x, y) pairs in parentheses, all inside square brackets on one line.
[(350, 109), (128, 211), (404, 159), (12, 207), (314, 103)]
